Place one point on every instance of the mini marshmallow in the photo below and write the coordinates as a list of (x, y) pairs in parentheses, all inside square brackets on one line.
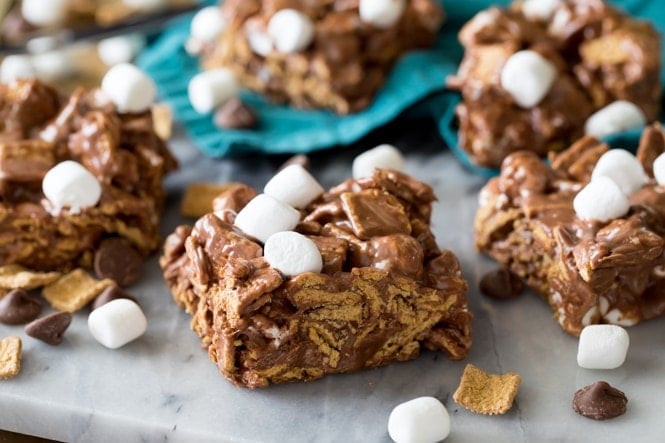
[(294, 186), (264, 216), (382, 156), (70, 184), (659, 169), (602, 347), (528, 77), (116, 323), (601, 199), (51, 66), (207, 24), (381, 13), (259, 41), (622, 167), (14, 67), (421, 420), (44, 12), (210, 89), (290, 30), (539, 9), (129, 88), (292, 253), (616, 117), (120, 49)]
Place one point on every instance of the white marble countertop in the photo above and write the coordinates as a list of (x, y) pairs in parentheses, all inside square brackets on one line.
[(162, 387)]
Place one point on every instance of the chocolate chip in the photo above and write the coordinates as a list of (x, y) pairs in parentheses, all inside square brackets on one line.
[(300, 159), (50, 328), (501, 284), (17, 307), (599, 401), (234, 114), (111, 293), (118, 260)]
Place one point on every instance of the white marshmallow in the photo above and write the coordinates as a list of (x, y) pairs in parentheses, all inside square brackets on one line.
[(14, 67), (53, 65), (421, 420), (292, 253), (622, 167), (207, 24), (294, 186), (381, 13), (382, 156), (120, 49), (70, 184), (44, 12), (601, 199), (145, 5), (659, 169), (129, 88), (264, 216), (210, 89), (528, 77), (539, 9), (259, 41), (602, 347), (290, 30), (117, 323), (616, 117)]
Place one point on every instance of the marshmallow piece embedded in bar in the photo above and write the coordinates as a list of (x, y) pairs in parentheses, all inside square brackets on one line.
[(381, 13), (527, 76), (53, 65), (70, 184), (602, 347), (421, 420), (539, 9), (210, 89), (44, 12), (292, 253), (616, 117), (293, 185), (117, 323), (622, 167), (120, 49), (14, 67), (659, 169), (290, 30), (382, 156), (601, 199), (129, 88), (264, 216), (207, 24)]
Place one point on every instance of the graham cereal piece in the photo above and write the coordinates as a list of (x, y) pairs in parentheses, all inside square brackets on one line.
[(198, 198), (74, 290), (485, 393), (162, 120), (18, 277), (10, 357)]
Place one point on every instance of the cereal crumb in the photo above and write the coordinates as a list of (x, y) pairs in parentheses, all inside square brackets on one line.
[(17, 277), (10, 357), (74, 290), (485, 393)]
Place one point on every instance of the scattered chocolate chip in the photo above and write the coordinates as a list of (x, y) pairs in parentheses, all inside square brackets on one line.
[(18, 307), (50, 328), (111, 293), (599, 401), (235, 114), (501, 284), (118, 260)]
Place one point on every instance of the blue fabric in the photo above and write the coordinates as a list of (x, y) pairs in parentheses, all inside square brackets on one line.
[(418, 77)]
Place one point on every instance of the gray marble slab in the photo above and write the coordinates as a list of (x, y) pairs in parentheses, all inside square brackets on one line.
[(163, 387)]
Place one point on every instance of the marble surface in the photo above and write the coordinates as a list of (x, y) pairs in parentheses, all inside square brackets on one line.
[(163, 387)]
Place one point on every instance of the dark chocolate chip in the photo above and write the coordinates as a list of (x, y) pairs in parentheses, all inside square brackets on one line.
[(118, 260), (501, 284), (50, 328), (111, 293), (234, 114), (18, 307), (300, 159), (599, 401)]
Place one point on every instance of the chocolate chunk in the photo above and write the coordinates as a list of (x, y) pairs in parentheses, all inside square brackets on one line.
[(50, 328), (234, 114), (111, 293), (17, 307), (118, 260), (300, 159), (599, 401), (501, 284)]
